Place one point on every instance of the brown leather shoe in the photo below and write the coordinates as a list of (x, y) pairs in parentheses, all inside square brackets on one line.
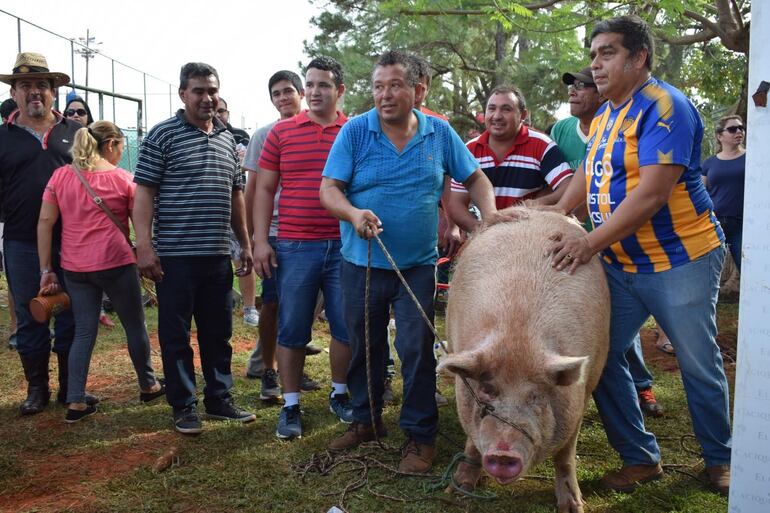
[(416, 458), (356, 434), (719, 478), (628, 478)]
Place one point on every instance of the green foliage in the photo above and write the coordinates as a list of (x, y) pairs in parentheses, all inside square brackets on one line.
[(476, 44)]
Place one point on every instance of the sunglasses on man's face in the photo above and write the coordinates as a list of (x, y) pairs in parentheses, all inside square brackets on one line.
[(577, 85), (71, 112), (734, 129)]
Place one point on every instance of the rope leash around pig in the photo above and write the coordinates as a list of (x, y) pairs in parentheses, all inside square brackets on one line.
[(486, 408)]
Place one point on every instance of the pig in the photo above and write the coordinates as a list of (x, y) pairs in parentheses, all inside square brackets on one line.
[(532, 342)]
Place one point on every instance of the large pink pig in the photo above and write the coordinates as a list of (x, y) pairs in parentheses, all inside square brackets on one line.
[(532, 342)]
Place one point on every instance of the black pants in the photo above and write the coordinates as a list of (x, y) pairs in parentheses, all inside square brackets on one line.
[(199, 288)]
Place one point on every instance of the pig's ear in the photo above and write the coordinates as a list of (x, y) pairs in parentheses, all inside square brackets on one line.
[(468, 364), (567, 370)]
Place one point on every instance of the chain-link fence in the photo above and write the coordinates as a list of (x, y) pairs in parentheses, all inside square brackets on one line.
[(127, 96)]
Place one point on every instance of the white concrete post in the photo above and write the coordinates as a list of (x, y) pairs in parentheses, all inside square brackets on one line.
[(750, 485)]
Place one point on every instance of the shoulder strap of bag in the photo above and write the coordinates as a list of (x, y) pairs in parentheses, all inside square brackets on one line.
[(123, 229)]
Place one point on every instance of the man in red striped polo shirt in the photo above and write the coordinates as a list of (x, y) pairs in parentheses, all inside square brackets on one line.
[(521, 163), (307, 256)]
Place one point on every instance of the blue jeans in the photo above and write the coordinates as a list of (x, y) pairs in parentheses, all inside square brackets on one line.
[(122, 286), (304, 268), (199, 288), (733, 228), (683, 301), (23, 272), (639, 371), (414, 344)]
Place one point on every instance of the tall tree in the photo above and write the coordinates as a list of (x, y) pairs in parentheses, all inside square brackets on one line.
[(474, 45)]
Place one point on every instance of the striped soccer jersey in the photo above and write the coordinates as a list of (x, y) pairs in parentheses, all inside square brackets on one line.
[(533, 163), (657, 125)]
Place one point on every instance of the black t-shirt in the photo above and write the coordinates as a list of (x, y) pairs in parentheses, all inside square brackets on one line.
[(240, 136), (26, 165)]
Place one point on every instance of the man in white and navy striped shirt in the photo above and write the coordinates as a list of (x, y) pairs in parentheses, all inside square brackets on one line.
[(191, 187), (520, 162)]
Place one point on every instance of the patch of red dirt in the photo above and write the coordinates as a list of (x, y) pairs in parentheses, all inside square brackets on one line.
[(240, 345), (55, 482)]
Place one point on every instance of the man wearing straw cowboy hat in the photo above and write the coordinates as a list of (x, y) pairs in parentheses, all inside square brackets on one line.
[(33, 143)]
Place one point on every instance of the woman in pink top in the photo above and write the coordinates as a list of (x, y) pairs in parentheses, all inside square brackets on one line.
[(95, 256)]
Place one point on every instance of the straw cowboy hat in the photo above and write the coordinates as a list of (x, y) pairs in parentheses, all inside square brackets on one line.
[(33, 65)]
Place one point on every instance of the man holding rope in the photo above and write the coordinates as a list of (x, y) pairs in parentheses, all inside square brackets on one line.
[(384, 175)]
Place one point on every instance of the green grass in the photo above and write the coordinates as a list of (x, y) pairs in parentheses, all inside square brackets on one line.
[(104, 463)]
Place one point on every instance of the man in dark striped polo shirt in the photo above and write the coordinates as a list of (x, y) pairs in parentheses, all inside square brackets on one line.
[(307, 252), (521, 163), (190, 185)]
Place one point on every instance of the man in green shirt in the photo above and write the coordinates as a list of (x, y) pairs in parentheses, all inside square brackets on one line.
[(571, 134)]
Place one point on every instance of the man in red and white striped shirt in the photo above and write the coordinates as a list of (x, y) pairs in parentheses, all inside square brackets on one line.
[(520, 162), (307, 256)]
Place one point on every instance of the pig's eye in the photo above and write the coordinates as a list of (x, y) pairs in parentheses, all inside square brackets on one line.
[(487, 389)]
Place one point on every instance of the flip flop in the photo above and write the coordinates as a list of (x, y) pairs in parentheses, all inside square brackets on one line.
[(666, 347)]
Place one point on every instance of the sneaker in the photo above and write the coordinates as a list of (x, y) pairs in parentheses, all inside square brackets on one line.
[(387, 393), (105, 320), (339, 404), (628, 478), (648, 404), (416, 458), (226, 410), (146, 397), (441, 400), (719, 479), (311, 350), (250, 317), (270, 389), (12, 341), (308, 384), (356, 434), (76, 415), (187, 421), (289, 423)]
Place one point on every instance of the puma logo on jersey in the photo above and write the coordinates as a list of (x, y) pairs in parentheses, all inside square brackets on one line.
[(667, 127)]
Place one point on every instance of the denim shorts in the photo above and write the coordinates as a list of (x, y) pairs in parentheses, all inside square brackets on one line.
[(269, 289), (304, 269)]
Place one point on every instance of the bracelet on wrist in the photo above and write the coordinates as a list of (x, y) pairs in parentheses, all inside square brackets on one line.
[(45, 271)]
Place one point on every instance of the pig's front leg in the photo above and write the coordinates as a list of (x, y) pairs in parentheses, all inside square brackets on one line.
[(467, 474), (568, 497)]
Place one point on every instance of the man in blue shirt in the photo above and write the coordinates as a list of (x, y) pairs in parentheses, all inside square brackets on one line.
[(384, 175)]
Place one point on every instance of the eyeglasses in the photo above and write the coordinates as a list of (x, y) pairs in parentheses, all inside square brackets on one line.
[(577, 85), (734, 129), (71, 112), (221, 111)]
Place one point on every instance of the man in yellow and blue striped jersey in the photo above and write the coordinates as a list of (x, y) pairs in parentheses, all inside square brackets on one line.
[(660, 243)]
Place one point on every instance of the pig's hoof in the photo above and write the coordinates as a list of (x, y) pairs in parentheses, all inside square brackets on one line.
[(572, 507), (466, 477), (568, 503)]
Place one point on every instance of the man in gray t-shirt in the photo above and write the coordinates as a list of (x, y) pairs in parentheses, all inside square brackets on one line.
[(286, 93)]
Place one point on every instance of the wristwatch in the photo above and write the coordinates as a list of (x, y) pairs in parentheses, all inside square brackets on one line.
[(45, 271)]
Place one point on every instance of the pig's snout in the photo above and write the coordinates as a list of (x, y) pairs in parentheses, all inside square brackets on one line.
[(503, 467)]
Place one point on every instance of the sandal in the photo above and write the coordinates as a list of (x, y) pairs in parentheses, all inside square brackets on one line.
[(665, 347)]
